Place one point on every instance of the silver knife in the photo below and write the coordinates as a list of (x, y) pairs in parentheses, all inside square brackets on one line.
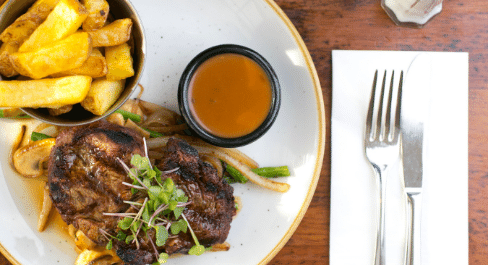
[(414, 109)]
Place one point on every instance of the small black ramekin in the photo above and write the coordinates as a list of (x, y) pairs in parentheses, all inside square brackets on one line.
[(184, 105)]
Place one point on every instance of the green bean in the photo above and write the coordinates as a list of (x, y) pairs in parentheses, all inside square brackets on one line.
[(36, 136), (236, 174), (154, 134), (272, 172), (267, 172), (129, 115)]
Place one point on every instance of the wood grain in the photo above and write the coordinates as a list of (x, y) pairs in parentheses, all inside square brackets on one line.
[(363, 25)]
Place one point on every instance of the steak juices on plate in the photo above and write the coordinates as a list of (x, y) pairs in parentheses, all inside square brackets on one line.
[(85, 181)]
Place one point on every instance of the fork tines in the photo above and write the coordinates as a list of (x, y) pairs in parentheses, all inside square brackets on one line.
[(383, 111)]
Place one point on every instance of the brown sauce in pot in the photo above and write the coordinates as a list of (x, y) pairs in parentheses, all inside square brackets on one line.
[(230, 95)]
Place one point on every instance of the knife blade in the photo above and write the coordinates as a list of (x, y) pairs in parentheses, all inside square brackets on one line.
[(414, 109)]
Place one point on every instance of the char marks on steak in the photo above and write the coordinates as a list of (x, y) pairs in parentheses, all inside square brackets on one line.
[(85, 181), (212, 201)]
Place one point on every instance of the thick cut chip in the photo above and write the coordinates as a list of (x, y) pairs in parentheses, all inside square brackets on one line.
[(24, 25), (119, 62), (54, 92), (63, 21), (62, 55), (113, 34), (95, 66), (102, 95), (98, 13), (6, 67)]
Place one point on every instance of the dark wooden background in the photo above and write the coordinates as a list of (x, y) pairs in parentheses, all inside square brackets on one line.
[(363, 25)]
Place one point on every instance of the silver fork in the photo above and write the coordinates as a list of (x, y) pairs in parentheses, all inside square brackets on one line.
[(382, 147)]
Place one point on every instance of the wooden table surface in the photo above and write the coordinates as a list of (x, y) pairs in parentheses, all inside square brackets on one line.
[(363, 25)]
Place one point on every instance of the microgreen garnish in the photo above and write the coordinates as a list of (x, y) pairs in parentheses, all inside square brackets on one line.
[(161, 210), (161, 235), (197, 249), (109, 245), (180, 225), (163, 257)]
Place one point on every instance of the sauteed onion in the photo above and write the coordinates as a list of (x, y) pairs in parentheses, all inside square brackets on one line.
[(30, 156)]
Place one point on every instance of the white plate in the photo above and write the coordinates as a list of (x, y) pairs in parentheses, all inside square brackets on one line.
[(176, 31)]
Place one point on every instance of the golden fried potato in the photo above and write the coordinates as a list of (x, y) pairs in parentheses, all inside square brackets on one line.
[(24, 25), (95, 66), (115, 33), (119, 62), (98, 12), (60, 110), (102, 95), (6, 67), (54, 92), (62, 55), (64, 20)]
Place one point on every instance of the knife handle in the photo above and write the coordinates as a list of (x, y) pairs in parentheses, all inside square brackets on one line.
[(414, 209)]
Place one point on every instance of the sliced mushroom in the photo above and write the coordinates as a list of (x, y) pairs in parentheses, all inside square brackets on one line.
[(28, 160), (93, 257)]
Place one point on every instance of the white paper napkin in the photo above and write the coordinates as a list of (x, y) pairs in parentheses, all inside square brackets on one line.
[(353, 188)]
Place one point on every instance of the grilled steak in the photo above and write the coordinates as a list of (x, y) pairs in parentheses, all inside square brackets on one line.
[(86, 181), (212, 207)]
